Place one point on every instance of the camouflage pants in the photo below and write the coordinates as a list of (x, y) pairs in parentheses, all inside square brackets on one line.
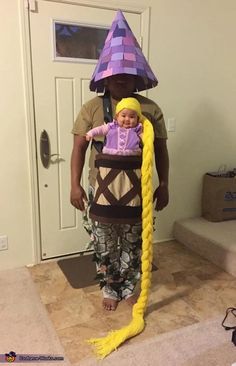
[(117, 255)]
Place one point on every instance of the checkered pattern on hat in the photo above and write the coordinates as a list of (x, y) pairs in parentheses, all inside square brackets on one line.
[(122, 54)]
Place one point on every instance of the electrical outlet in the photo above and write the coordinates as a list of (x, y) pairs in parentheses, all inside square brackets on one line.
[(3, 242), (171, 125)]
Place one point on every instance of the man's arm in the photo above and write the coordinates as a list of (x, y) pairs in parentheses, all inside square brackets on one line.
[(78, 194), (161, 194)]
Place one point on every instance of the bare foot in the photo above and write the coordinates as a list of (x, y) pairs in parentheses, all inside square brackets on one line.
[(131, 300), (110, 304)]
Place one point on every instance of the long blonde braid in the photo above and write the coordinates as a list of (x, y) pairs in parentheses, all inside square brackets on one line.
[(104, 346)]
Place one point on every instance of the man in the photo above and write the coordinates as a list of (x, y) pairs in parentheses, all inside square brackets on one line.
[(117, 72)]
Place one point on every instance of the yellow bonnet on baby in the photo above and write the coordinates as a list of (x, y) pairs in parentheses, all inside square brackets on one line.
[(129, 103)]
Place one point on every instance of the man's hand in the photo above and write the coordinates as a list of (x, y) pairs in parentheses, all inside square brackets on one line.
[(161, 196), (78, 197)]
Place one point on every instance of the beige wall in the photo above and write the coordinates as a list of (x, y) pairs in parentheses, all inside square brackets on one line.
[(192, 52), (15, 202)]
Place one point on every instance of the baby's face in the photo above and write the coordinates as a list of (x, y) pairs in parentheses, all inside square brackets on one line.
[(127, 118)]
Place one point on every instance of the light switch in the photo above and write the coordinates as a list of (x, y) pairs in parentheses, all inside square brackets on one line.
[(171, 124)]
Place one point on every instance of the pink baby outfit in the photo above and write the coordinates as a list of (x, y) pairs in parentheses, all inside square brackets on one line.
[(119, 140)]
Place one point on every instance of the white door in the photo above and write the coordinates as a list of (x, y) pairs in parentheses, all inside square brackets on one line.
[(61, 86)]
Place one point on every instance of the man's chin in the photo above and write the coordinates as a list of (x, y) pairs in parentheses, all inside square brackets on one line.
[(122, 94)]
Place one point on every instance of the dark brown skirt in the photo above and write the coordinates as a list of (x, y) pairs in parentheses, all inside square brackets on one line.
[(117, 197)]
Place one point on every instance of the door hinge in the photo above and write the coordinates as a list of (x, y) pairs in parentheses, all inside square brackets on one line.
[(31, 5)]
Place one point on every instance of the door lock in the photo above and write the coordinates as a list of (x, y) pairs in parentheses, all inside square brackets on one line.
[(45, 150)]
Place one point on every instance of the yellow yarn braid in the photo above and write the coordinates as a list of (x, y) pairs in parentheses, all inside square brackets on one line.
[(105, 345)]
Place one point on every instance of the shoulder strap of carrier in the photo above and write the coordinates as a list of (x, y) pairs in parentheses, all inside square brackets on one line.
[(107, 107), (108, 117)]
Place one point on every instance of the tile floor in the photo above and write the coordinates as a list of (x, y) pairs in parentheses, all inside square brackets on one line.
[(186, 289)]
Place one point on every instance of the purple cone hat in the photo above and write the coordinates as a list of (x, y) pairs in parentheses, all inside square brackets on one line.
[(122, 54)]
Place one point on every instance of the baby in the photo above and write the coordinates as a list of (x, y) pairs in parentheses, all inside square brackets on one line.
[(123, 134)]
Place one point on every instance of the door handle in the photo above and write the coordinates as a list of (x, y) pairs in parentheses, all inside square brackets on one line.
[(45, 149)]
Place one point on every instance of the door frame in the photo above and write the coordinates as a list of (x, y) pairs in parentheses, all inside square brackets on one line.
[(24, 12)]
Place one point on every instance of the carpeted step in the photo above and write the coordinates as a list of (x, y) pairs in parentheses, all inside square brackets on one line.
[(215, 241)]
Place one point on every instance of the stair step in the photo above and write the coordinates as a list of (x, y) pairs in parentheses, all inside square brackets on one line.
[(215, 241)]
